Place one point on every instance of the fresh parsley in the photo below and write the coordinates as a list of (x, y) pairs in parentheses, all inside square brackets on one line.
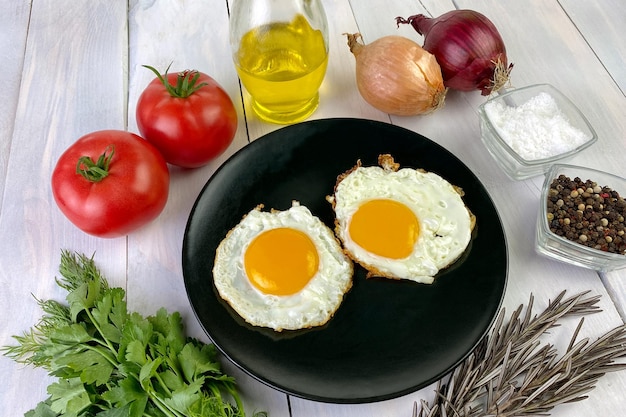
[(112, 363)]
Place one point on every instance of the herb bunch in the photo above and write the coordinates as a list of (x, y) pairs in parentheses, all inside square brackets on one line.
[(111, 362), (513, 373)]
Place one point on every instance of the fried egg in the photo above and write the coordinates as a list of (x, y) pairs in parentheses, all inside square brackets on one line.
[(400, 223), (282, 269)]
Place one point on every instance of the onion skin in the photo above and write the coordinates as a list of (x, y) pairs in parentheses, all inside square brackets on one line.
[(397, 76), (468, 47)]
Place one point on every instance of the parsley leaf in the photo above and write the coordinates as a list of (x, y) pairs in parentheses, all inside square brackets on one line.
[(111, 362)]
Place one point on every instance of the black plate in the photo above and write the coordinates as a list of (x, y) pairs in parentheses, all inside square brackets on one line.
[(388, 338)]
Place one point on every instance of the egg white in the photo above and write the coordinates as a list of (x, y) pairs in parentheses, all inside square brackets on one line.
[(445, 223), (314, 305)]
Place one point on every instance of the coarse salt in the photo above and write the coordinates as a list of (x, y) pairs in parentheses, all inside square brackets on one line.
[(536, 129)]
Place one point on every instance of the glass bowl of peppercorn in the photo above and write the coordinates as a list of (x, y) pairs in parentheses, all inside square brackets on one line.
[(528, 129), (581, 218)]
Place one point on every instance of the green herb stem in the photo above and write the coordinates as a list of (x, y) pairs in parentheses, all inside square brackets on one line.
[(103, 341), (112, 360)]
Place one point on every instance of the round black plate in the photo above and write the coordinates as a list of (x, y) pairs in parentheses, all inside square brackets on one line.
[(388, 338)]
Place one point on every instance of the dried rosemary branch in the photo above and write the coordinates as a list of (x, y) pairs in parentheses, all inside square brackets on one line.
[(513, 373)]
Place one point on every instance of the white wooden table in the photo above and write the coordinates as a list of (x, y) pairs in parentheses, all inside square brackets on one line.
[(74, 66)]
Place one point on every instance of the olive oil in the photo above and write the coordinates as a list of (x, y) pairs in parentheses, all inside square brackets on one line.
[(282, 65)]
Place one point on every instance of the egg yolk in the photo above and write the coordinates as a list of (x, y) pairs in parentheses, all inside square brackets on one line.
[(281, 261), (385, 227)]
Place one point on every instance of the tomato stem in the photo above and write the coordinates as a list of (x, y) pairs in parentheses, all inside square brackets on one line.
[(95, 171), (185, 82)]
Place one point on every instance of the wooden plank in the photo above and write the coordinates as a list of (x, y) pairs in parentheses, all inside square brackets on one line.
[(602, 25), (190, 36), (85, 51), (14, 24), (73, 84)]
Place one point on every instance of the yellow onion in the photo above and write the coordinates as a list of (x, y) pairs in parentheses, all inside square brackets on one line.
[(397, 76)]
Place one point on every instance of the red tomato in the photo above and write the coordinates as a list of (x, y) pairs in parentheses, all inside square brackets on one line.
[(188, 122), (132, 194)]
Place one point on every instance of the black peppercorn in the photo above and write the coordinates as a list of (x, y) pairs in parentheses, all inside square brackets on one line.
[(586, 213)]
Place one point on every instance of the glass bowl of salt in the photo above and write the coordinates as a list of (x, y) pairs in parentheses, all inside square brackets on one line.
[(528, 129)]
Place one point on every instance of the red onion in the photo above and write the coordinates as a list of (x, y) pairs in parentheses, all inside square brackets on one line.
[(468, 48)]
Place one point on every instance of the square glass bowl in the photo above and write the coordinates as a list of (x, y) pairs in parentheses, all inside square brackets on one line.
[(511, 162), (561, 248)]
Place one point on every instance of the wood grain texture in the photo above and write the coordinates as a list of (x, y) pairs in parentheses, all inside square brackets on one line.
[(13, 33), (602, 26), (76, 66), (72, 83)]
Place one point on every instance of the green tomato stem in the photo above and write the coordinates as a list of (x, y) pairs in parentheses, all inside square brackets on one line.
[(95, 171), (185, 82)]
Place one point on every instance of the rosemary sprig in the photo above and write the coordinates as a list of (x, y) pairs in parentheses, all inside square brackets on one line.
[(513, 373)]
